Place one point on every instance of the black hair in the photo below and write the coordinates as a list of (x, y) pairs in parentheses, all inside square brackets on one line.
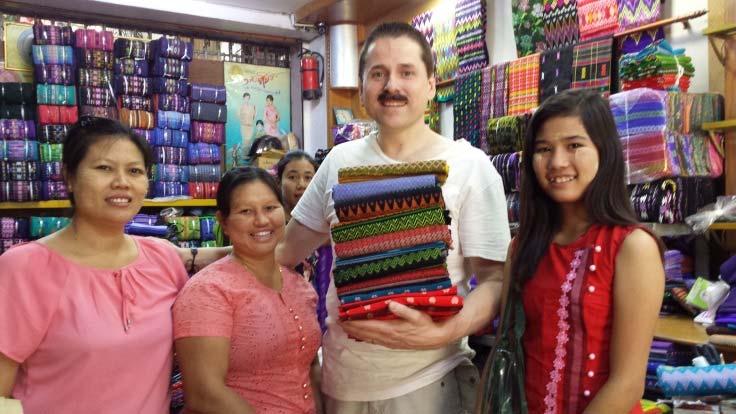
[(269, 97), (246, 94), (395, 30), (606, 198), (258, 121), (294, 155), (90, 130), (241, 176)]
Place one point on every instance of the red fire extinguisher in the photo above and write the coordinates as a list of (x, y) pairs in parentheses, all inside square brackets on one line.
[(313, 74)]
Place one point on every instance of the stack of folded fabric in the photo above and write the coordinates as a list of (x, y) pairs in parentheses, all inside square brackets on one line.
[(43, 226), (508, 166), (664, 353), (392, 240), (13, 231), (657, 66), (506, 134), (96, 95), (20, 171), (670, 200), (209, 114)]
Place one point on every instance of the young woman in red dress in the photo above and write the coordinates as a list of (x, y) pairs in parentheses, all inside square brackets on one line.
[(590, 278)]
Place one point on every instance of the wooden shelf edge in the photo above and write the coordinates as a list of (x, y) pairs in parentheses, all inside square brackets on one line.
[(723, 226), (444, 83), (719, 125), (721, 30), (680, 329), (61, 204)]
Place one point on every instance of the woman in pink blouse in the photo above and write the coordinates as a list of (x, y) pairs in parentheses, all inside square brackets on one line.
[(85, 313), (245, 328)]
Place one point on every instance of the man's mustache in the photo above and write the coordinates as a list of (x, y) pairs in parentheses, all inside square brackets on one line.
[(385, 96)]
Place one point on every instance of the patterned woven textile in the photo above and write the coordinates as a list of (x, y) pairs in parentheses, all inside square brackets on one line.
[(51, 171), (397, 279), (170, 172), (52, 54), (387, 224), (470, 26), (364, 298), (19, 150), (170, 138), (169, 189), (439, 304), (17, 93), (376, 208), (94, 59), (92, 39), (528, 26), (100, 78), (423, 23), (170, 155), (399, 261), (20, 171), (205, 111), (170, 68), (500, 91), (50, 152), (20, 191), (172, 48), (53, 134), (17, 129), (128, 66), (523, 85), (597, 18), (89, 95), (44, 34), (171, 86), (486, 99), (202, 153), (56, 74), (444, 46), (649, 157), (204, 173), (656, 66), (636, 13), (637, 41), (137, 119), (166, 102), (508, 166), (207, 132), (640, 111), (670, 200), (23, 111), (53, 190), (207, 93), (52, 114), (109, 112), (56, 94), (375, 172), (506, 134), (207, 190), (131, 48), (139, 103), (466, 108), (173, 120), (556, 68), (560, 23), (361, 192), (398, 240), (132, 85), (592, 66)]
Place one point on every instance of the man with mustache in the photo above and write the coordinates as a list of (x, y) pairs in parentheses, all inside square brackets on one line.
[(411, 364)]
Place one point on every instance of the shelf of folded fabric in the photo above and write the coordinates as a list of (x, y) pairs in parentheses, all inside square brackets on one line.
[(719, 125), (682, 329), (722, 30), (60, 204)]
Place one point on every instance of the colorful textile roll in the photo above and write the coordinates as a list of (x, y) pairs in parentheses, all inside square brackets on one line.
[(20, 191), (506, 134), (369, 298), (170, 86), (209, 112), (470, 35), (500, 91), (45, 34), (396, 240), (170, 172), (167, 102), (43, 226), (382, 264), (560, 23), (132, 85), (597, 18), (523, 85), (54, 114), (131, 48), (591, 66), (127, 66), (207, 227), (376, 208), (361, 192), (657, 66), (47, 94), (146, 134), (50, 152), (137, 119), (670, 200), (203, 190), (13, 93), (527, 18), (513, 207), (410, 277), (53, 190), (56, 74), (636, 13), (208, 132), (173, 120), (686, 112), (89, 95), (51, 171), (17, 129), (92, 39), (207, 93), (508, 166), (170, 137), (52, 54), (170, 68), (147, 230), (25, 112), (201, 153), (137, 103), (20, 171), (389, 224), (690, 380), (109, 112), (172, 48), (556, 71), (205, 173), (440, 304), (14, 228), (7, 244), (170, 155), (52, 134), (169, 189), (94, 59), (375, 172), (466, 107), (99, 78)]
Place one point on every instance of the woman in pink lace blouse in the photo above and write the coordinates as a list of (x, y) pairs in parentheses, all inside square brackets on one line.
[(245, 329)]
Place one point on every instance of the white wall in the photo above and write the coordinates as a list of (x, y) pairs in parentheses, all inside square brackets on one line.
[(315, 112), (692, 39)]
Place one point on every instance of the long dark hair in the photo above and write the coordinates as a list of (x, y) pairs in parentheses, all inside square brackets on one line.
[(606, 198), (294, 155)]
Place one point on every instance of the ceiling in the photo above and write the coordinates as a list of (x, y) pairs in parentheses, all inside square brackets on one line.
[(273, 6)]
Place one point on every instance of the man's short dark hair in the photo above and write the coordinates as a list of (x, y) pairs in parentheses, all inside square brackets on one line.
[(246, 94), (394, 30)]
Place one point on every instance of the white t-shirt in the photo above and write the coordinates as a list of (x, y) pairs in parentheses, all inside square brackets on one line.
[(473, 194)]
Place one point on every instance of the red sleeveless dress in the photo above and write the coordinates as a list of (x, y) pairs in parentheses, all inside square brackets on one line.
[(569, 315)]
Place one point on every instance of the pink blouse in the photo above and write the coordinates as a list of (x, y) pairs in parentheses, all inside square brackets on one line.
[(89, 340), (274, 336)]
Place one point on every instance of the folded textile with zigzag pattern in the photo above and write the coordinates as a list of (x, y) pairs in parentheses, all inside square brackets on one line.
[(383, 171), (389, 224), (386, 263)]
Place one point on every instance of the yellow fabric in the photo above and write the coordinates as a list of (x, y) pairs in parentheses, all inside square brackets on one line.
[(377, 172)]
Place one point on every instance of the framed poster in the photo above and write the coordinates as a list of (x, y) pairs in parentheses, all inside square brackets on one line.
[(18, 38), (258, 103)]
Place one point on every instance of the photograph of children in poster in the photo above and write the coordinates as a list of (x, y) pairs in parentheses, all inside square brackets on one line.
[(258, 103)]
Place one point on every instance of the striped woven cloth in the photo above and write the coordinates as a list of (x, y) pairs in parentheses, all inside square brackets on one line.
[(388, 224), (556, 71), (597, 18), (560, 23), (56, 95), (375, 172), (486, 104), (470, 26), (391, 241), (467, 107), (500, 90), (524, 84), (592, 66), (52, 54), (89, 95), (397, 279), (56, 74), (137, 119), (382, 294), (345, 194)]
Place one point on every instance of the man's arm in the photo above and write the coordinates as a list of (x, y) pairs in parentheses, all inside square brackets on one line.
[(300, 241)]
